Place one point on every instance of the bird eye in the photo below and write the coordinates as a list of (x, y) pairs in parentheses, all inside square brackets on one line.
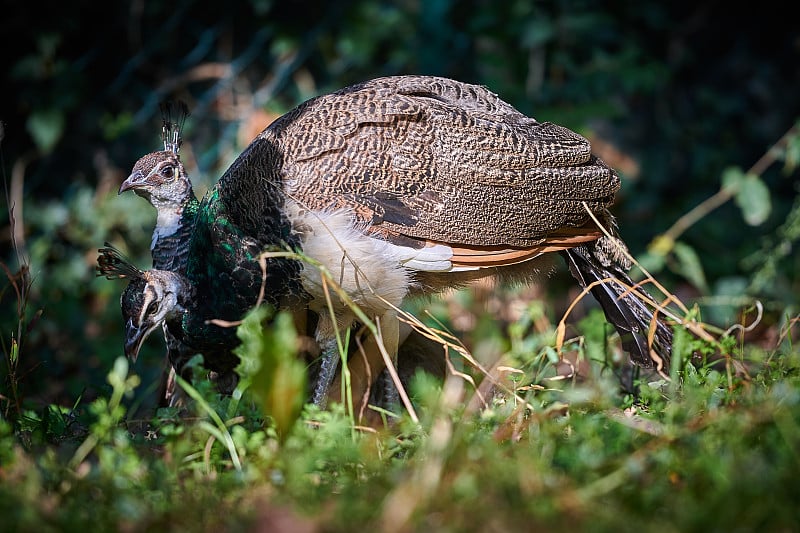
[(151, 309), (168, 171)]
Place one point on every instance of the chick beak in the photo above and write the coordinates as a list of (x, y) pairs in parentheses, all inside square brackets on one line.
[(134, 338), (133, 181)]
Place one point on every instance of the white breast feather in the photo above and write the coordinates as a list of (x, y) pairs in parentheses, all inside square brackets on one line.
[(371, 271), (167, 223)]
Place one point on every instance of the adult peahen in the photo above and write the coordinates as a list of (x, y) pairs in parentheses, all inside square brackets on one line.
[(402, 186)]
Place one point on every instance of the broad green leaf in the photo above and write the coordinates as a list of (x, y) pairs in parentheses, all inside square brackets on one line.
[(750, 194), (652, 261), (754, 201), (595, 330), (791, 155), (681, 352), (14, 352), (249, 352), (732, 179), (552, 354)]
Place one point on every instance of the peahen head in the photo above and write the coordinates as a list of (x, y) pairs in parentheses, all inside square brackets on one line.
[(151, 297), (160, 178)]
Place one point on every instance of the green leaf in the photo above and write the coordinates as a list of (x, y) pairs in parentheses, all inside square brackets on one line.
[(46, 127), (270, 367), (594, 328), (219, 430), (730, 293), (652, 261), (552, 355), (750, 194), (791, 155), (14, 357), (690, 266), (732, 179), (754, 201)]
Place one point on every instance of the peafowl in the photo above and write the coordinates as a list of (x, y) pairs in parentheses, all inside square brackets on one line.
[(167, 187), (156, 297), (402, 186), (161, 179)]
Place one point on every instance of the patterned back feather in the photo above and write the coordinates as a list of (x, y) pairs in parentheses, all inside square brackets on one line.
[(435, 159)]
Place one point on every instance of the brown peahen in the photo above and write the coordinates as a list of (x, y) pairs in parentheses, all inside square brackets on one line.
[(397, 187)]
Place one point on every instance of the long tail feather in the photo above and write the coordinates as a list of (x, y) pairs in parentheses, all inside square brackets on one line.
[(630, 315)]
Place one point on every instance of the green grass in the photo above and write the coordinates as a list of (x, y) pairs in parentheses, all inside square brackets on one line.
[(712, 449)]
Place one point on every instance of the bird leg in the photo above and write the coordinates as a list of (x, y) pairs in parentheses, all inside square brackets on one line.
[(390, 334), (326, 336), (369, 366), (390, 394)]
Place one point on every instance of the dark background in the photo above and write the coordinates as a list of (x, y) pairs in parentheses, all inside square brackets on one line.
[(670, 93)]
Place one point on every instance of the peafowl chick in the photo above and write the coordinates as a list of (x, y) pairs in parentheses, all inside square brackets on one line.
[(397, 187), (154, 298)]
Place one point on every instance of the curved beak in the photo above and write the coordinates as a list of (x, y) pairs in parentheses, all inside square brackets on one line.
[(133, 181), (134, 338)]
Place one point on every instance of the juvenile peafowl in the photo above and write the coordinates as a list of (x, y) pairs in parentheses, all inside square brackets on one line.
[(168, 188), (161, 179), (397, 187)]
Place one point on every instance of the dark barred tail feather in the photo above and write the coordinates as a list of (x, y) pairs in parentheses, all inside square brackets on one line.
[(630, 315)]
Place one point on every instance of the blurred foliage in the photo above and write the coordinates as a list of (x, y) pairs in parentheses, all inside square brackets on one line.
[(682, 98), (542, 451), (270, 367)]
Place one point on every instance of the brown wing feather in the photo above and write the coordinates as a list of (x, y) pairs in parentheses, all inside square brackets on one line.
[(436, 159), (495, 256), (465, 255)]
